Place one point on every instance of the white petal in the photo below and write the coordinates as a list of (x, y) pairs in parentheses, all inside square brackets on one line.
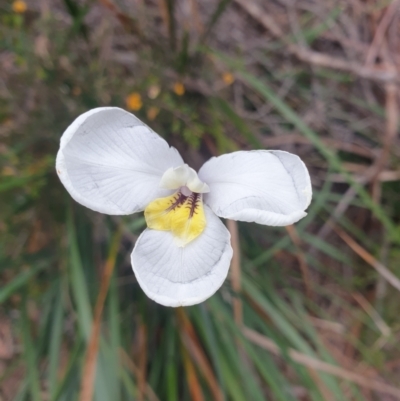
[(111, 162), (195, 184), (267, 187), (181, 176), (174, 276), (175, 178)]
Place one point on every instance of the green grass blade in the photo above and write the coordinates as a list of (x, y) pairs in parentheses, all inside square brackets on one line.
[(18, 282), (30, 356), (55, 344), (171, 373), (78, 282)]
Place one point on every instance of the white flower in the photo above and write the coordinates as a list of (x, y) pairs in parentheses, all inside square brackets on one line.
[(111, 162)]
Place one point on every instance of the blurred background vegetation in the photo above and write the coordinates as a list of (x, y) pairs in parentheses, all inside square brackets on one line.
[(309, 312)]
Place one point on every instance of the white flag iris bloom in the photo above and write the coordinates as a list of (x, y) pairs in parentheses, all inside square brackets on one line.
[(111, 162)]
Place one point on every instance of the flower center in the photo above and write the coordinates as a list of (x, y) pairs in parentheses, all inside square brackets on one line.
[(181, 213)]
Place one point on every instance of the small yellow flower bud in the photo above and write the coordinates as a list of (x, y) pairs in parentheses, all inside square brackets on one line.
[(19, 6), (228, 78), (134, 102), (179, 89), (152, 113)]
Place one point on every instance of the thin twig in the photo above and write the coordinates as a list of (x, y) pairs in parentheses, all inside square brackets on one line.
[(128, 23), (386, 20), (151, 395), (373, 172), (313, 57), (305, 271), (293, 138), (373, 313), (360, 251), (392, 121), (384, 176), (321, 366)]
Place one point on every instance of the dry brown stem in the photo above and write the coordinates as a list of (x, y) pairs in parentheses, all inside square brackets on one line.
[(192, 345), (364, 254), (321, 366), (392, 121), (142, 358), (373, 173), (373, 313), (305, 271), (151, 396), (386, 20), (313, 57), (89, 369)]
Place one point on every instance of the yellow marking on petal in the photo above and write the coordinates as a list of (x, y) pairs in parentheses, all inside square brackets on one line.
[(189, 221), (157, 213), (182, 215)]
